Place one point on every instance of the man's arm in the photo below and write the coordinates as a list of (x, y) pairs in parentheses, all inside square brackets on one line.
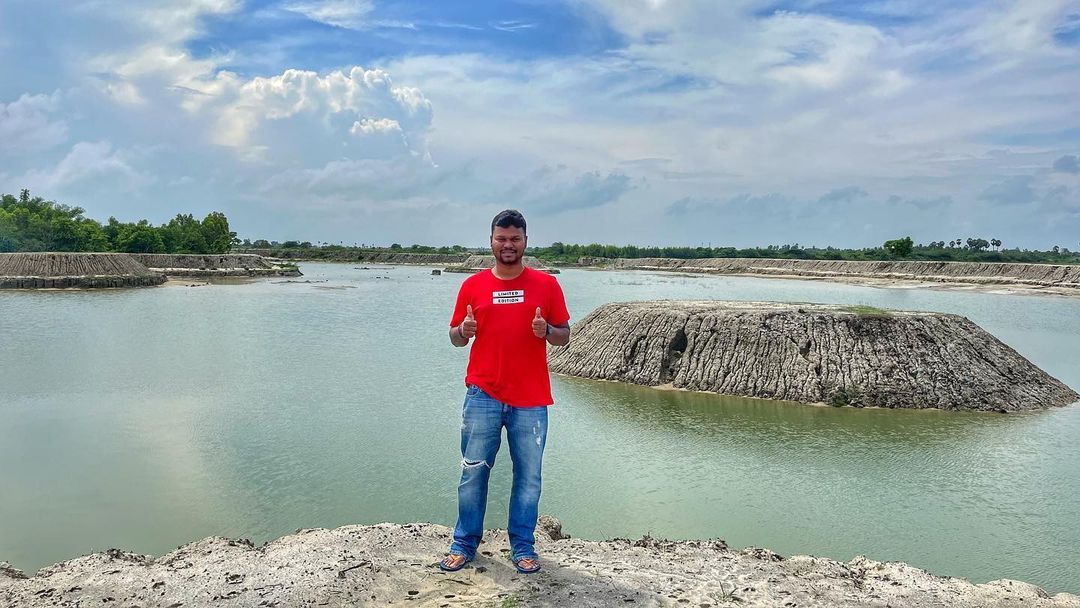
[(457, 338), (559, 335), (460, 334)]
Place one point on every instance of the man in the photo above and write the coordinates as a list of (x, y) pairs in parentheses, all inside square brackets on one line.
[(514, 312)]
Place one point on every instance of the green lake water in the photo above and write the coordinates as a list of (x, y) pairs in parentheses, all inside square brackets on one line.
[(144, 419)]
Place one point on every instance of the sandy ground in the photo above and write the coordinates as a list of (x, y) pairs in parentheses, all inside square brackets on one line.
[(208, 281), (393, 564)]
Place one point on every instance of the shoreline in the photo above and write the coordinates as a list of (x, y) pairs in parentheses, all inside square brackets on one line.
[(669, 387), (988, 286), (1001, 288), (998, 276), (396, 563), (995, 288)]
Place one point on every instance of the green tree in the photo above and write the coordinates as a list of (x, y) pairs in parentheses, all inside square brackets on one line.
[(139, 238), (215, 233), (184, 234), (900, 247)]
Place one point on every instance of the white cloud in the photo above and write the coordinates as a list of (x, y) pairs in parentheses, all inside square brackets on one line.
[(368, 126), (349, 14), (169, 21), (27, 125), (512, 26), (359, 183), (701, 101), (153, 55), (340, 102), (1020, 27), (824, 53), (87, 162)]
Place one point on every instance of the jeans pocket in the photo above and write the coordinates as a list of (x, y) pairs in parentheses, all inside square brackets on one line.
[(473, 390)]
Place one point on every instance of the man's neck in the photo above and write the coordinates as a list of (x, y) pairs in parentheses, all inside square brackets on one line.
[(508, 271)]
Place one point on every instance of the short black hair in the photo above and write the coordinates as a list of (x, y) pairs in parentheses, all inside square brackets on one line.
[(508, 218)]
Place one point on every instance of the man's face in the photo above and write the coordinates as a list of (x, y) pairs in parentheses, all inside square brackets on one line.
[(508, 244)]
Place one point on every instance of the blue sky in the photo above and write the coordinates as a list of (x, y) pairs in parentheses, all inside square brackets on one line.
[(623, 121)]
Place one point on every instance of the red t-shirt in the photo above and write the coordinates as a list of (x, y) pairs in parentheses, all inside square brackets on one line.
[(507, 360)]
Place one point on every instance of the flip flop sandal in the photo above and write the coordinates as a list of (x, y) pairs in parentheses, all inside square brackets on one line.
[(444, 563), (535, 567)]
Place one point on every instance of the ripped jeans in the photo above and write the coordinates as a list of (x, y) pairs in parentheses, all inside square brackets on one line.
[(482, 421)]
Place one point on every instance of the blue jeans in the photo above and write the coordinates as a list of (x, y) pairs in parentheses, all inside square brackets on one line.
[(482, 420)]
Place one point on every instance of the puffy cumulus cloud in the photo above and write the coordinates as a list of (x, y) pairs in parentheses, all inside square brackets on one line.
[(146, 108), (358, 101), (28, 125), (294, 116), (1068, 163), (349, 14), (368, 126)]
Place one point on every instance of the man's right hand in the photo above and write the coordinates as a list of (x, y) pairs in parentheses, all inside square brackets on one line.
[(468, 326)]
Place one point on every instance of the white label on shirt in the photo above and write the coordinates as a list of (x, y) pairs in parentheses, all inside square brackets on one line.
[(512, 296)]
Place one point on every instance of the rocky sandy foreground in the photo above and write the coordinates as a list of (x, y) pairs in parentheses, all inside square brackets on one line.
[(395, 564)]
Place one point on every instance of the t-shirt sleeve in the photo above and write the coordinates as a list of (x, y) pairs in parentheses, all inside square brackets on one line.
[(557, 313), (459, 308)]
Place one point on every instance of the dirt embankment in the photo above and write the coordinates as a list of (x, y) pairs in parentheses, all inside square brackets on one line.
[(1058, 276), (395, 564), (212, 265), (78, 270), (809, 353), (59, 270), (372, 257), (476, 263)]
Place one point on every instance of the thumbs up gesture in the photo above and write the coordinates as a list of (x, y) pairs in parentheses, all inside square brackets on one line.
[(539, 325), (468, 326)]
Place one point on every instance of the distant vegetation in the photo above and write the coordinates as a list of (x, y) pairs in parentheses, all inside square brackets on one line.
[(321, 251), (34, 224), (971, 250)]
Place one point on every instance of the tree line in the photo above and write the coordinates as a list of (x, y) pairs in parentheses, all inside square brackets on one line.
[(35, 224), (974, 249)]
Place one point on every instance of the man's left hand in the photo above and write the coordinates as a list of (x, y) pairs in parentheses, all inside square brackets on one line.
[(539, 325)]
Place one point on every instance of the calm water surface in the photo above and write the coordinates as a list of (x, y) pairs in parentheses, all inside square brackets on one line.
[(145, 419)]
